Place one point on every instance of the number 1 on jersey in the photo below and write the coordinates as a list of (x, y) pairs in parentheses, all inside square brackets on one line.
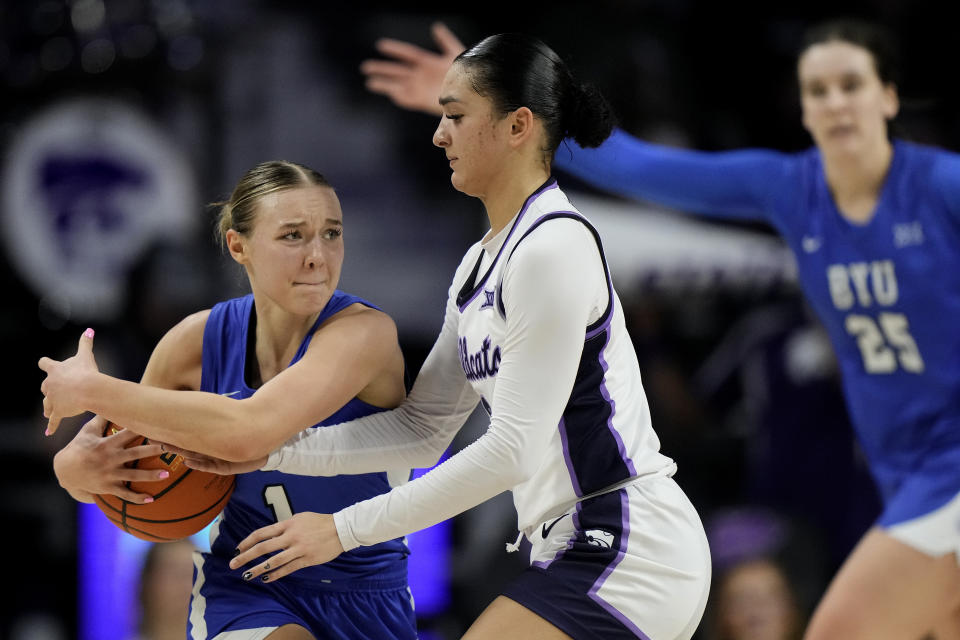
[(276, 498)]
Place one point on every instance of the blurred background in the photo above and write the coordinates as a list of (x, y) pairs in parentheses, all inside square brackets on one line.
[(123, 119)]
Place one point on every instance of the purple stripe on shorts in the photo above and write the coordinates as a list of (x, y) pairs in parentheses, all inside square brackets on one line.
[(613, 411), (552, 184), (624, 537)]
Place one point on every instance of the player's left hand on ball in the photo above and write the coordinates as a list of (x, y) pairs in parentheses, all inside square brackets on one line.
[(60, 387), (304, 540)]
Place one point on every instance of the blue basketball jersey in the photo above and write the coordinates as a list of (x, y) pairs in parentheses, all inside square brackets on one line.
[(887, 291), (262, 498)]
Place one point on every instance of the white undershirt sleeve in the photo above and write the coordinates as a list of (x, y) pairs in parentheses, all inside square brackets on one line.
[(553, 286)]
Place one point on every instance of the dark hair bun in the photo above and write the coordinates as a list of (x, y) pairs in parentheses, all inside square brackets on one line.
[(589, 118)]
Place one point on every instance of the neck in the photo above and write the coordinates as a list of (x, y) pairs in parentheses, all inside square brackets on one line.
[(853, 176), (504, 199), (278, 335)]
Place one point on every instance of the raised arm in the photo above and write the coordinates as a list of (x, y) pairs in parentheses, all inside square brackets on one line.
[(746, 184), (348, 353)]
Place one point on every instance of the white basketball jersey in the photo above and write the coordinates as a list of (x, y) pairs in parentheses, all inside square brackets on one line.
[(604, 436)]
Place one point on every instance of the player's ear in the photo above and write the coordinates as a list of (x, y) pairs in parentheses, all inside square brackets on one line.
[(521, 126), (236, 245)]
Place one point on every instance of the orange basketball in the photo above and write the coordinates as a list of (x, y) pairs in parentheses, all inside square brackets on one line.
[(183, 503)]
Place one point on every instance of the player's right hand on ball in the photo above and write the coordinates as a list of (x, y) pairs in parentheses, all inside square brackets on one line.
[(94, 464), (203, 462), (412, 77)]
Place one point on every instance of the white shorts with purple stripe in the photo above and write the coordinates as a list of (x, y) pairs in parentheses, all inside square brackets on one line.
[(630, 563)]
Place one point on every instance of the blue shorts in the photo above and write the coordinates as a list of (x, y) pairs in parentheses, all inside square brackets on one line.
[(363, 609)]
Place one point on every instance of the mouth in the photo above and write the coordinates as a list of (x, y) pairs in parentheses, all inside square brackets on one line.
[(309, 284), (840, 131)]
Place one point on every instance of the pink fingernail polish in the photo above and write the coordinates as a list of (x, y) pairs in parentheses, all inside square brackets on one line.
[(164, 474), (148, 501), (88, 333)]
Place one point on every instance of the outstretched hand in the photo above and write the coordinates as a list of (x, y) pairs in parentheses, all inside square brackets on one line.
[(304, 540), (61, 386), (412, 79), (203, 462), (94, 464)]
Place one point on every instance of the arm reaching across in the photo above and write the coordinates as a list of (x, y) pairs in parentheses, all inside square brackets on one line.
[(234, 430)]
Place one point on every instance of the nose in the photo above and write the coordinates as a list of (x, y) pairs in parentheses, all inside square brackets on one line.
[(440, 137), (836, 98), (313, 254)]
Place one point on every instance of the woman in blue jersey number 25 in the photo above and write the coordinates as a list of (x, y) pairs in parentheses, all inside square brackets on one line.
[(874, 222), (238, 380)]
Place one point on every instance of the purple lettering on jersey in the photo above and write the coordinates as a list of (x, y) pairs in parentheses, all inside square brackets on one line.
[(480, 364)]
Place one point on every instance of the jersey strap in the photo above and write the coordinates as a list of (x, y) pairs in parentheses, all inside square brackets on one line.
[(597, 325)]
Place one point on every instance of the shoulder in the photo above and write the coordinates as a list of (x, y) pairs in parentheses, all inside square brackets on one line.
[(189, 330), (366, 324), (177, 359), (557, 243)]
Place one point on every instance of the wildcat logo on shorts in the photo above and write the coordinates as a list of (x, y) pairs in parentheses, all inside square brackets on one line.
[(599, 538)]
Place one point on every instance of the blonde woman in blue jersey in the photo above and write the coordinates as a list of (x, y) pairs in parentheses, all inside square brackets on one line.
[(236, 381), (874, 223), (535, 333)]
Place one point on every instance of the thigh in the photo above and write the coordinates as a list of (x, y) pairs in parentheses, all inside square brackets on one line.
[(285, 632), (886, 589), (290, 632), (504, 619)]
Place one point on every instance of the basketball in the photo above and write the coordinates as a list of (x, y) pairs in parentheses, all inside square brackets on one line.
[(183, 503)]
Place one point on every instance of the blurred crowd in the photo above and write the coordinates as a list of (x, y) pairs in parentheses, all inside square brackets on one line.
[(741, 380)]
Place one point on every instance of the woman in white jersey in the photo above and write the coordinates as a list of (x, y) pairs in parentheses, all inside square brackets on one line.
[(534, 331)]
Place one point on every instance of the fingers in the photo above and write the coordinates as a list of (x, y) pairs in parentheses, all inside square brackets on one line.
[(204, 464), (122, 437), (130, 496), (171, 448), (274, 568), (94, 425), (127, 474), (44, 363), (389, 87), (384, 68), (86, 342), (53, 423), (141, 451), (260, 542), (446, 40), (403, 51)]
